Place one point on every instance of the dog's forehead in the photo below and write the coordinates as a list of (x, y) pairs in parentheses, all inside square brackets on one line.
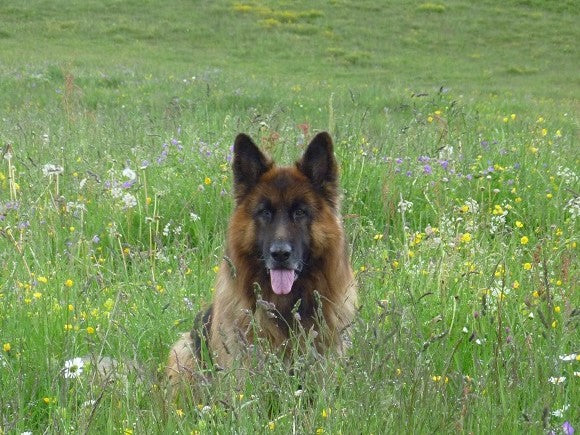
[(284, 185)]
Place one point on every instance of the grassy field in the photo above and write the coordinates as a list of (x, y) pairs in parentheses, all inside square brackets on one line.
[(457, 131)]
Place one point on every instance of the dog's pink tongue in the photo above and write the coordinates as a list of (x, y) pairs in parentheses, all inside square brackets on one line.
[(281, 280)]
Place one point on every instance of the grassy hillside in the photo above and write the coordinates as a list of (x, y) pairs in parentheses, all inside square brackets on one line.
[(456, 127)]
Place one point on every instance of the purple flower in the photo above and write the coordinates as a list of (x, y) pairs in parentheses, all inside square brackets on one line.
[(23, 225), (129, 183), (409, 174), (516, 166), (397, 170), (398, 161), (96, 239), (567, 428), (444, 164), (469, 177), (490, 169), (484, 144), (423, 159), (427, 169)]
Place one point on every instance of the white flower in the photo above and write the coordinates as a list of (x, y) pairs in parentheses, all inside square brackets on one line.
[(50, 169), (73, 368), (194, 217), (557, 380), (404, 206), (129, 173), (573, 207), (560, 412), (129, 201), (571, 357), (116, 192)]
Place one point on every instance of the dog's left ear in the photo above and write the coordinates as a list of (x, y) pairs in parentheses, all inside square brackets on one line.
[(319, 165), (248, 166)]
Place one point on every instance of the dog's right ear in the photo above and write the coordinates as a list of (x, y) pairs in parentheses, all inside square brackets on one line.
[(248, 166)]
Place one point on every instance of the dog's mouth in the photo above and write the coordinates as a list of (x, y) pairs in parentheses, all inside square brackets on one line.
[(282, 280)]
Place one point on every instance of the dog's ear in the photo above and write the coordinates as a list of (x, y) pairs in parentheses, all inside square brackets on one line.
[(319, 165), (248, 166)]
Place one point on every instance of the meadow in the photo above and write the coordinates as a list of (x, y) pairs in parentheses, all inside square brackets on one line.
[(457, 132)]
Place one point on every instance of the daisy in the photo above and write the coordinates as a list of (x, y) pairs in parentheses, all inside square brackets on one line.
[(73, 368)]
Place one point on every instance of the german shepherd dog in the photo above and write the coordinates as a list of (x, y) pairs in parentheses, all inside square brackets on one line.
[(285, 251)]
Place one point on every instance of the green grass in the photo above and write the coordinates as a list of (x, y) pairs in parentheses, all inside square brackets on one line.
[(469, 111)]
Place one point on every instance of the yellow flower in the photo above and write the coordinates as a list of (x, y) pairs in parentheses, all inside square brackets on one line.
[(319, 431), (518, 200), (207, 181), (326, 412), (271, 425), (128, 431), (466, 237), (505, 119), (429, 119), (544, 131), (557, 309), (554, 323), (464, 208), (558, 133), (536, 294), (216, 269), (540, 120), (69, 283), (378, 237), (179, 412), (90, 330), (6, 347), (527, 266), (516, 284), (148, 200), (549, 196), (395, 264), (68, 327), (524, 240), (42, 279), (533, 150), (513, 116), (37, 295), (519, 224)]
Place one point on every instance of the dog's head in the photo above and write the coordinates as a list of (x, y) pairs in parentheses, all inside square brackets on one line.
[(282, 205)]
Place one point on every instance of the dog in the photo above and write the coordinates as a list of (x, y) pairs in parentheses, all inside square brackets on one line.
[(286, 267)]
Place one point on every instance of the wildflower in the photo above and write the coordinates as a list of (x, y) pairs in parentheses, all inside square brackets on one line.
[(557, 380), (207, 181), (571, 357), (567, 428), (466, 238), (129, 173), (549, 196), (427, 169), (544, 131), (527, 266), (560, 412), (69, 283), (513, 116), (179, 412), (516, 284), (524, 240), (557, 309), (73, 368), (42, 279), (129, 201), (6, 347), (50, 169), (90, 330), (319, 431), (519, 224), (326, 412), (404, 206), (378, 237), (271, 425)]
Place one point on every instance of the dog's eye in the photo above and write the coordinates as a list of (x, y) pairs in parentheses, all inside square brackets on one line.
[(298, 214), (265, 214)]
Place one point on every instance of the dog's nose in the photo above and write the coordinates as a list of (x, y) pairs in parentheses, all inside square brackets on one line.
[(280, 251)]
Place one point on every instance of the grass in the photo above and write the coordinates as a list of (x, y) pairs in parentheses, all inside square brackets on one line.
[(457, 132)]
